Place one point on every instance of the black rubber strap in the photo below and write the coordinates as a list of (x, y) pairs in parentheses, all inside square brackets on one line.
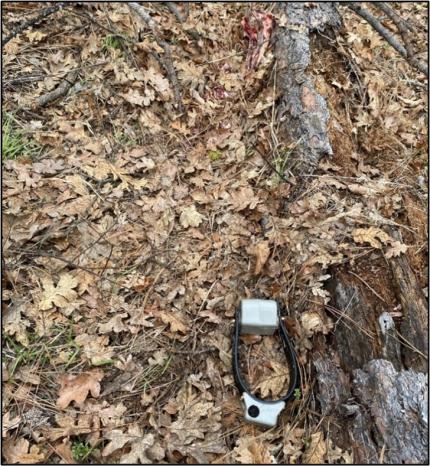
[(289, 353)]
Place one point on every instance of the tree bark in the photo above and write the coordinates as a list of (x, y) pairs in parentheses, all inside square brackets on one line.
[(371, 388), (303, 112), (373, 402)]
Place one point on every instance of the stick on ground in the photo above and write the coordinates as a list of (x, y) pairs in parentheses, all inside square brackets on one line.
[(383, 32), (61, 90), (33, 21), (166, 60)]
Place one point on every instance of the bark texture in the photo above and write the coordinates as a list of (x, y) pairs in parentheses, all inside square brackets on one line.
[(370, 386), (303, 112), (374, 403), (414, 304)]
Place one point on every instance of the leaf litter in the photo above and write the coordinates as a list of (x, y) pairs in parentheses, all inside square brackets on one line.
[(130, 239)]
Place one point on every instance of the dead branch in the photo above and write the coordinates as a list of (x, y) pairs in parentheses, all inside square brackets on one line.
[(181, 19), (23, 79), (394, 16), (303, 113), (61, 90), (102, 26), (385, 34), (33, 21), (174, 9), (403, 28), (165, 61), (414, 306)]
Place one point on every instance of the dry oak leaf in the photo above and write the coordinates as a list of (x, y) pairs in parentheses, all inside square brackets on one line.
[(274, 382), (64, 449), (115, 324), (373, 236), (17, 451), (69, 425), (243, 198), (158, 81), (396, 249), (95, 348), (96, 147), (190, 217), (261, 251), (134, 97), (77, 183), (176, 324), (312, 322), (60, 295), (9, 423), (252, 451), (77, 387), (139, 445), (317, 450)]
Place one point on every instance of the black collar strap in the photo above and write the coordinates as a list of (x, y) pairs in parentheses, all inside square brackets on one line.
[(260, 313)]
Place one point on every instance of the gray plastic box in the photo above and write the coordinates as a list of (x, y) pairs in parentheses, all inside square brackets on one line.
[(259, 316)]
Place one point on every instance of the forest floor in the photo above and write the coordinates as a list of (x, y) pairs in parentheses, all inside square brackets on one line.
[(131, 230)]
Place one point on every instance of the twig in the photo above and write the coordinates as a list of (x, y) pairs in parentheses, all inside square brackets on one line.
[(383, 32), (102, 26), (24, 79), (174, 9), (191, 32), (403, 27), (165, 61), (31, 22), (61, 90), (393, 15)]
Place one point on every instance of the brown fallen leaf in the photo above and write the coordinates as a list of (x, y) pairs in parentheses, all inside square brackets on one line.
[(176, 324), (96, 147), (68, 425), (139, 444), (64, 449), (77, 387), (250, 339), (396, 249), (60, 295), (9, 423), (261, 251), (274, 383), (373, 236), (17, 451), (317, 450), (252, 451), (190, 217), (244, 198), (134, 97), (95, 347)]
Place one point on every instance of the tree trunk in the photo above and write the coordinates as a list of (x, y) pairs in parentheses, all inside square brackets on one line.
[(302, 111), (370, 382)]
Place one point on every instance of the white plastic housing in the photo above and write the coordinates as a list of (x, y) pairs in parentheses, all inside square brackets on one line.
[(268, 412), (259, 316)]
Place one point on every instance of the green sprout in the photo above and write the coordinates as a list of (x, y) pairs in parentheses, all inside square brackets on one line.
[(152, 373), (215, 155), (14, 143), (81, 451), (112, 42)]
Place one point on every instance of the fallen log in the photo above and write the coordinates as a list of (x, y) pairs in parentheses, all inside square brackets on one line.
[(370, 386), (373, 402), (414, 327), (303, 113), (378, 412)]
